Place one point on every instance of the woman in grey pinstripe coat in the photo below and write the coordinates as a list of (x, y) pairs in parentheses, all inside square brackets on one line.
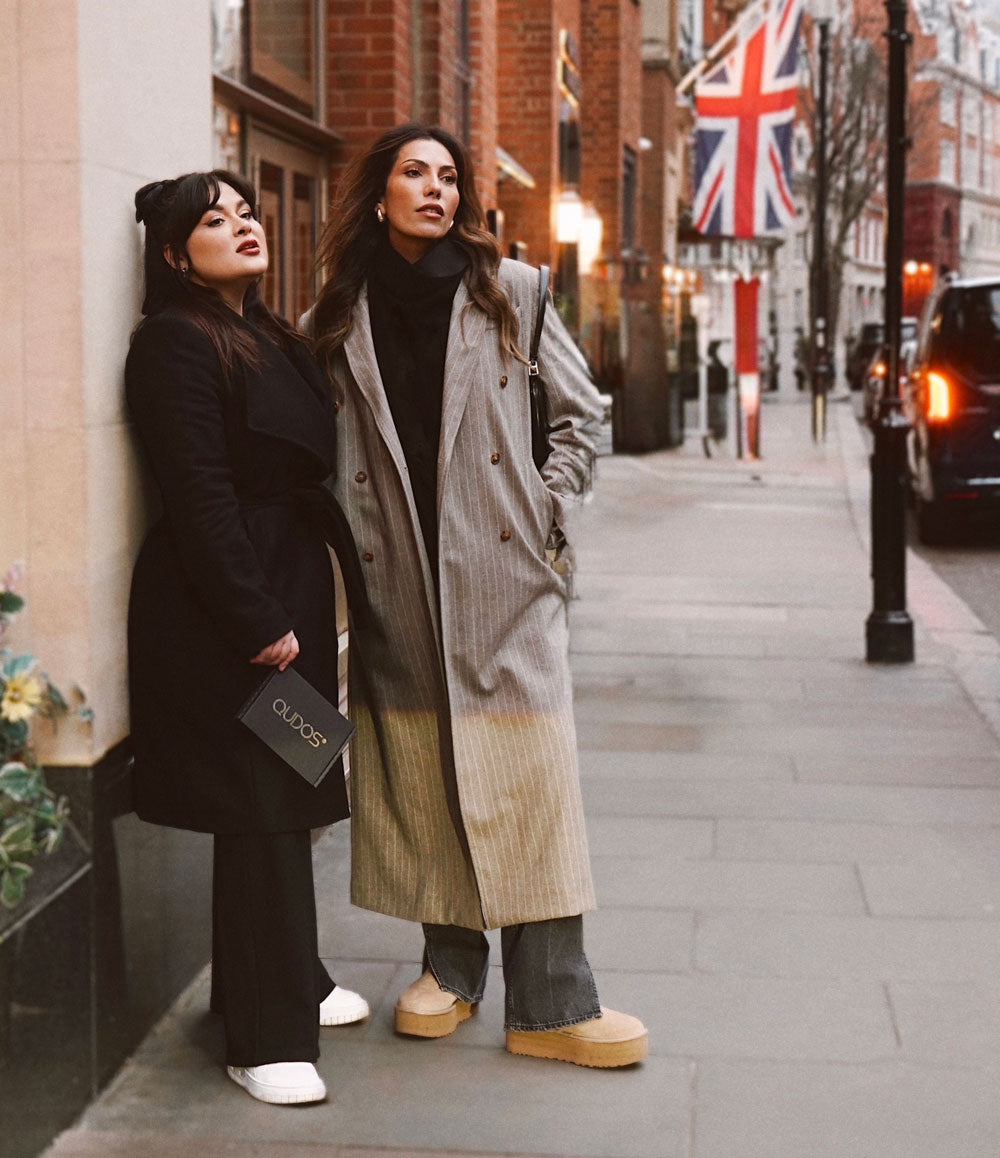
[(465, 788)]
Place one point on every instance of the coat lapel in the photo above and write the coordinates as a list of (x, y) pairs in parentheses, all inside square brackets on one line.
[(465, 336), (360, 351), (285, 399)]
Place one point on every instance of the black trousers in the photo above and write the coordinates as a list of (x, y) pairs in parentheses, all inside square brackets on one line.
[(267, 978)]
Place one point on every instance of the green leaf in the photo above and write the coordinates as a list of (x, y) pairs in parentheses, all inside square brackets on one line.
[(18, 665), (18, 838), (17, 781), (16, 733), (10, 604), (12, 883), (51, 839), (55, 697)]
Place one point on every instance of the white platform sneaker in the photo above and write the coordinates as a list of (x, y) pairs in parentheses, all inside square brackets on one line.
[(280, 1083), (342, 1007)]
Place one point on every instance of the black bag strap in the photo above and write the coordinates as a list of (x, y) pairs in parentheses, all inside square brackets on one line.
[(536, 337)]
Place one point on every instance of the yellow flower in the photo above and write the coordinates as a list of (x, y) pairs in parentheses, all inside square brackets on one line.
[(20, 698)]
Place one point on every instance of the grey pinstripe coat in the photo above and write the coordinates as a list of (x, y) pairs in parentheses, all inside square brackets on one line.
[(492, 659)]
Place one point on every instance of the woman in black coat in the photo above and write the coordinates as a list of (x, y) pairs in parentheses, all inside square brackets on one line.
[(235, 577)]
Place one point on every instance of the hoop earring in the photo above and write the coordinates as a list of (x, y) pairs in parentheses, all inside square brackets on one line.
[(379, 214)]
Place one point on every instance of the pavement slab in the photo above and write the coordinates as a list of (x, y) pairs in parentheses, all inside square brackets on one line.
[(890, 1110), (797, 858)]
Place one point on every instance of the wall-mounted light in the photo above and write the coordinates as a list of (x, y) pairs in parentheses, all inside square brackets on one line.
[(591, 238), (569, 217)]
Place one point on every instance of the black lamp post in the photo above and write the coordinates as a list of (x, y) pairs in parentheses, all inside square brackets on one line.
[(889, 629), (821, 280)]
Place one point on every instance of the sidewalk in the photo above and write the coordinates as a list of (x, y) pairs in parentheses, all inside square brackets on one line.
[(797, 858)]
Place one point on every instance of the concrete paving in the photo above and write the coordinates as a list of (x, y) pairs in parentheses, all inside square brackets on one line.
[(797, 858)]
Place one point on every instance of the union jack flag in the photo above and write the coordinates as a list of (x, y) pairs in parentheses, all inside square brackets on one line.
[(745, 108)]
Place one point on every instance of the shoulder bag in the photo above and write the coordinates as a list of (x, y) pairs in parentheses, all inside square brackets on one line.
[(541, 448)]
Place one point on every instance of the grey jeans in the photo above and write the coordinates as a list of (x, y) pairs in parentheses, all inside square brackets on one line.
[(548, 979)]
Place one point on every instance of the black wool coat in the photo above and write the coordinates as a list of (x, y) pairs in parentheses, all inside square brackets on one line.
[(237, 559)]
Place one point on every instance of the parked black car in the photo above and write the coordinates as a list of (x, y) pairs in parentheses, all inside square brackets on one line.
[(869, 342), (874, 378), (953, 401), (864, 347)]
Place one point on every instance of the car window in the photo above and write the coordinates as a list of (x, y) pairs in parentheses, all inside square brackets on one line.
[(970, 333)]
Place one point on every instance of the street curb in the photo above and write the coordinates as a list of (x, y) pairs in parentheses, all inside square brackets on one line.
[(957, 637)]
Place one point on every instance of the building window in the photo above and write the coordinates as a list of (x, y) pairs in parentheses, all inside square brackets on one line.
[(272, 47), (946, 169), (970, 166), (970, 114), (946, 106), (227, 127), (629, 196), (946, 224), (282, 46), (569, 147)]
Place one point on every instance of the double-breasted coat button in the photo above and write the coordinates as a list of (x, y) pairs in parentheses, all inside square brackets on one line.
[(503, 381), (495, 457), (336, 405), (504, 536), (361, 476), (367, 556)]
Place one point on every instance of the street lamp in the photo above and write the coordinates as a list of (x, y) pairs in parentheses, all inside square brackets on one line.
[(823, 14), (569, 217), (591, 238), (889, 629), (569, 223)]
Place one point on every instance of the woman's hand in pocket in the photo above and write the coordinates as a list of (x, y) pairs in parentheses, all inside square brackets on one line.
[(280, 653)]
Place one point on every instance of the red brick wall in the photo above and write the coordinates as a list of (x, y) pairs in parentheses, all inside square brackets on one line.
[(612, 77), (434, 91), (925, 209), (379, 75), (528, 46), (483, 41), (369, 69)]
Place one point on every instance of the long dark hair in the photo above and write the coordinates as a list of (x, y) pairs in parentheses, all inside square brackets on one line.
[(170, 210), (352, 234)]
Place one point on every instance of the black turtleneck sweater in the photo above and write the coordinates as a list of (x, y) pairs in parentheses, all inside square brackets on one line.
[(410, 311)]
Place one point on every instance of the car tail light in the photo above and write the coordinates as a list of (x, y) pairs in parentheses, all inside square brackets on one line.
[(938, 397)]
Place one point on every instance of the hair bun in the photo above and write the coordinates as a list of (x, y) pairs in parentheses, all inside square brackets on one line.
[(148, 201)]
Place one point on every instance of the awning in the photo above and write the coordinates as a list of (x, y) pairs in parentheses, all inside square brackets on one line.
[(508, 167)]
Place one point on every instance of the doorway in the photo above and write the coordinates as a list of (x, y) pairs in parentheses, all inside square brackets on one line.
[(292, 188)]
